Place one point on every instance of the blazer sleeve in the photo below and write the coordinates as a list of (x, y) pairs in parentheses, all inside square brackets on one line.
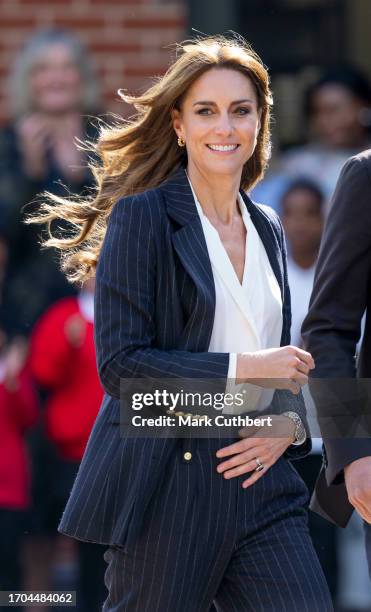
[(125, 308), (332, 327)]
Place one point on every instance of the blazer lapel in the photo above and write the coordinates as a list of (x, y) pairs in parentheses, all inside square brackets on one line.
[(190, 246), (269, 239)]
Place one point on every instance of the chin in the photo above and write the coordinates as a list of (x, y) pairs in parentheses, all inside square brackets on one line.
[(224, 169)]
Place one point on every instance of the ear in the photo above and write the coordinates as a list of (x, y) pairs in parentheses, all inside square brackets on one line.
[(177, 123)]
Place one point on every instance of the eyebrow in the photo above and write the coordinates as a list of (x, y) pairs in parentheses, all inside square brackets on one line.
[(211, 103)]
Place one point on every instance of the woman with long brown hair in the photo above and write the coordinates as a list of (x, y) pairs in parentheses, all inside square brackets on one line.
[(191, 284)]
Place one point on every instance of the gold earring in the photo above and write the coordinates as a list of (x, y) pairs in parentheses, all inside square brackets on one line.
[(181, 142)]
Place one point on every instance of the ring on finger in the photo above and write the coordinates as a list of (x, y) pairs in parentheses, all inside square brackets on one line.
[(259, 465)]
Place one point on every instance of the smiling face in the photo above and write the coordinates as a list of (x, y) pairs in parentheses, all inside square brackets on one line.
[(219, 121), (55, 81)]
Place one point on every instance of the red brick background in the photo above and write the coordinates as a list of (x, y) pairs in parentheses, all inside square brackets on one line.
[(130, 40)]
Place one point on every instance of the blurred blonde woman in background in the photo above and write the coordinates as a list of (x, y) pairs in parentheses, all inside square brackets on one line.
[(53, 90)]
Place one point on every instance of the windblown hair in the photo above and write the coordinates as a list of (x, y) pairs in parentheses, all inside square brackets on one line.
[(141, 153)]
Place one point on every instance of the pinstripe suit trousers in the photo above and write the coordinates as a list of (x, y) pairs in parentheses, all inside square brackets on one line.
[(207, 540)]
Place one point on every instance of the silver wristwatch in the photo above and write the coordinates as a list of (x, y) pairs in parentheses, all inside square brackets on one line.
[(300, 432)]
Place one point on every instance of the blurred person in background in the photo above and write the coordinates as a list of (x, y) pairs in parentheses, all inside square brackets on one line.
[(338, 109), (62, 360), (302, 217), (52, 92), (18, 412)]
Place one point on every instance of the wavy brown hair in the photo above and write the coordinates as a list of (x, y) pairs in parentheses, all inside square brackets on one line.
[(141, 153)]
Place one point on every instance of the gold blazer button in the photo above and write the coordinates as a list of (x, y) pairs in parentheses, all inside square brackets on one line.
[(187, 456)]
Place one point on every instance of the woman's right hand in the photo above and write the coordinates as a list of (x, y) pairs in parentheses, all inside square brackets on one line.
[(286, 367)]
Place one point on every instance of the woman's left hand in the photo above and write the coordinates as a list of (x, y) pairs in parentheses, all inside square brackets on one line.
[(266, 444)]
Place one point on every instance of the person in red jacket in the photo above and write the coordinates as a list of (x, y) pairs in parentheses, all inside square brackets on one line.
[(18, 412), (62, 361)]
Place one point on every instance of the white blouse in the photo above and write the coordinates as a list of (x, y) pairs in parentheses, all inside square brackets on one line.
[(248, 317)]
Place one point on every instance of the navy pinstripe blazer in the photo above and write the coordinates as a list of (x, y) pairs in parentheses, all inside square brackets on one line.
[(155, 304)]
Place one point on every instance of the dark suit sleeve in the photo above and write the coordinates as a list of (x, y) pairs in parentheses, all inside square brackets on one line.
[(332, 327), (125, 312)]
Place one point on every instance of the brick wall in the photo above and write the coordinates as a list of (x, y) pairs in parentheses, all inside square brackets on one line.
[(126, 37)]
